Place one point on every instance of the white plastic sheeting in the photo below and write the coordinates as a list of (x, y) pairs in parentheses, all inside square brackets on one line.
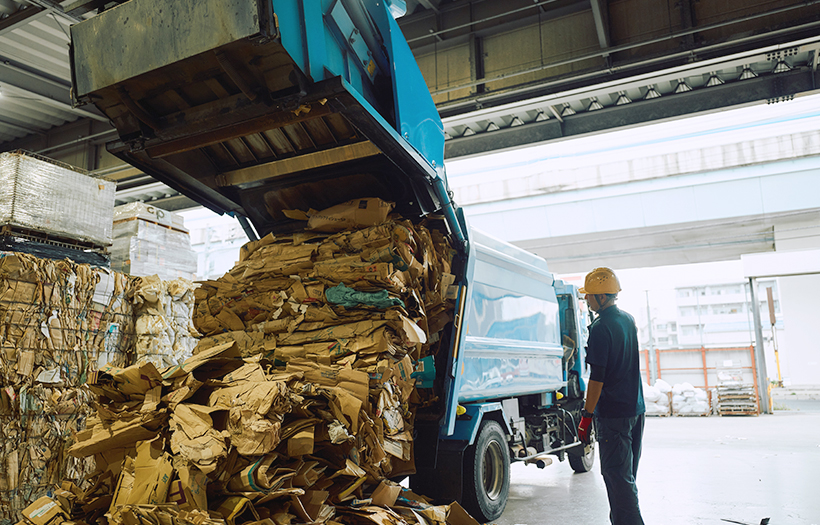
[(150, 241), (39, 195), (656, 398)]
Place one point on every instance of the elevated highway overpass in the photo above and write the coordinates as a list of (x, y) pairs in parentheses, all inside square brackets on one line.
[(657, 196)]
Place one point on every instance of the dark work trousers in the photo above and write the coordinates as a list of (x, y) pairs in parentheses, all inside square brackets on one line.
[(619, 445)]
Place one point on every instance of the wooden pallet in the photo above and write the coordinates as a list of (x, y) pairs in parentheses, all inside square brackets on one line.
[(11, 230), (738, 412)]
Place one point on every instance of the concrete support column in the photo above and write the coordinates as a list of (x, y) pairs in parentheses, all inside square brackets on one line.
[(760, 356)]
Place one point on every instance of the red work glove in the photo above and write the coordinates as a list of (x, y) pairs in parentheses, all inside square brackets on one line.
[(583, 429)]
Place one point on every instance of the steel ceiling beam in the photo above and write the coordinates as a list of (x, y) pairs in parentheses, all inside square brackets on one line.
[(20, 17), (664, 38), (56, 9), (44, 90), (644, 68), (537, 4), (428, 4), (601, 16), (771, 87), (16, 127)]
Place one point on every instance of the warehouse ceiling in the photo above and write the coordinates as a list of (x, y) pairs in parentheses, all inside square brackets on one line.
[(503, 74)]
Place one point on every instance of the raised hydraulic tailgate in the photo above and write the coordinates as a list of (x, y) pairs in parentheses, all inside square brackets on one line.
[(251, 107)]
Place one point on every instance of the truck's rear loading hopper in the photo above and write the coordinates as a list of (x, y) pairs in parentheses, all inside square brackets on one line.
[(252, 111)]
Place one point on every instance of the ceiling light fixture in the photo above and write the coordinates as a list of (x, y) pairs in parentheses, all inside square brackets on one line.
[(447, 136), (682, 86), (468, 132), (516, 122), (594, 105), (714, 80), (781, 67), (492, 127), (622, 99), (567, 111), (747, 73), (651, 93), (541, 117)]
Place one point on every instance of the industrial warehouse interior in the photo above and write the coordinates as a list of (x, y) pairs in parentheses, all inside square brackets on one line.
[(293, 262)]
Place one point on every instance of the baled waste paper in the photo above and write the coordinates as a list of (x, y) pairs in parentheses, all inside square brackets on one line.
[(61, 322), (298, 404), (165, 331)]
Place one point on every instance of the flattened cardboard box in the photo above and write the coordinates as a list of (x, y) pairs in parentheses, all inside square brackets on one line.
[(45, 511)]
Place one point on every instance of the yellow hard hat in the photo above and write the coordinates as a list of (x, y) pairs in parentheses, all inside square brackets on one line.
[(601, 280)]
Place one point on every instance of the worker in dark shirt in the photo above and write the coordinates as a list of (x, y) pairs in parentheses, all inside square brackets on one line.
[(614, 395)]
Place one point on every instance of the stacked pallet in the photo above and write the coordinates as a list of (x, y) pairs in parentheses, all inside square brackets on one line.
[(151, 241), (53, 210), (735, 397), (299, 403)]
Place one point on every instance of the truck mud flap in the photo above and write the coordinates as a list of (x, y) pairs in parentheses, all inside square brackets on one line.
[(446, 479), (426, 444)]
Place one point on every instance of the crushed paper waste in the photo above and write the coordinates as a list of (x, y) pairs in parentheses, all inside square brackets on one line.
[(61, 321), (292, 409), (165, 331)]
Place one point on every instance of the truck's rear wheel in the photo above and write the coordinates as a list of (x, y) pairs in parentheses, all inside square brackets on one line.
[(583, 463), (487, 473)]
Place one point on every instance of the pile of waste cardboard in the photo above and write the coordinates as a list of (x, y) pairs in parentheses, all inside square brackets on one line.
[(298, 404), (60, 322)]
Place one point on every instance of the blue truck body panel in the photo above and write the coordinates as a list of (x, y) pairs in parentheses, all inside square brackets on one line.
[(510, 343), (466, 428)]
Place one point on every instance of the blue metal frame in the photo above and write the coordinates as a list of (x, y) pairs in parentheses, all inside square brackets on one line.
[(566, 292), (360, 40), (466, 427)]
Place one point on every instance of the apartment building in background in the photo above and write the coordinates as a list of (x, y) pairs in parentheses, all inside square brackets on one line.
[(714, 316)]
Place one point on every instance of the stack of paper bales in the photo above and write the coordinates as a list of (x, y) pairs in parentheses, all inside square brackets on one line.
[(690, 401), (151, 241), (735, 396), (60, 322), (43, 201), (299, 404)]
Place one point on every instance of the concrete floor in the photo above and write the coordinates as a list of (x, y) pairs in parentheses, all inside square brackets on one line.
[(694, 471)]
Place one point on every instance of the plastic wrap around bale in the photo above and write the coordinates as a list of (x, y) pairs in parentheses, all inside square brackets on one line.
[(149, 240), (55, 199)]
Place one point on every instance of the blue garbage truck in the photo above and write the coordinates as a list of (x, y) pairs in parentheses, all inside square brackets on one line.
[(251, 107)]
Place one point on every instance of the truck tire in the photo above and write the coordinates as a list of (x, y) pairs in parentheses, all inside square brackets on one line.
[(583, 463), (487, 473)]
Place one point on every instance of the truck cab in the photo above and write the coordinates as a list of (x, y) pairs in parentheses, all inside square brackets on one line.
[(253, 108)]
